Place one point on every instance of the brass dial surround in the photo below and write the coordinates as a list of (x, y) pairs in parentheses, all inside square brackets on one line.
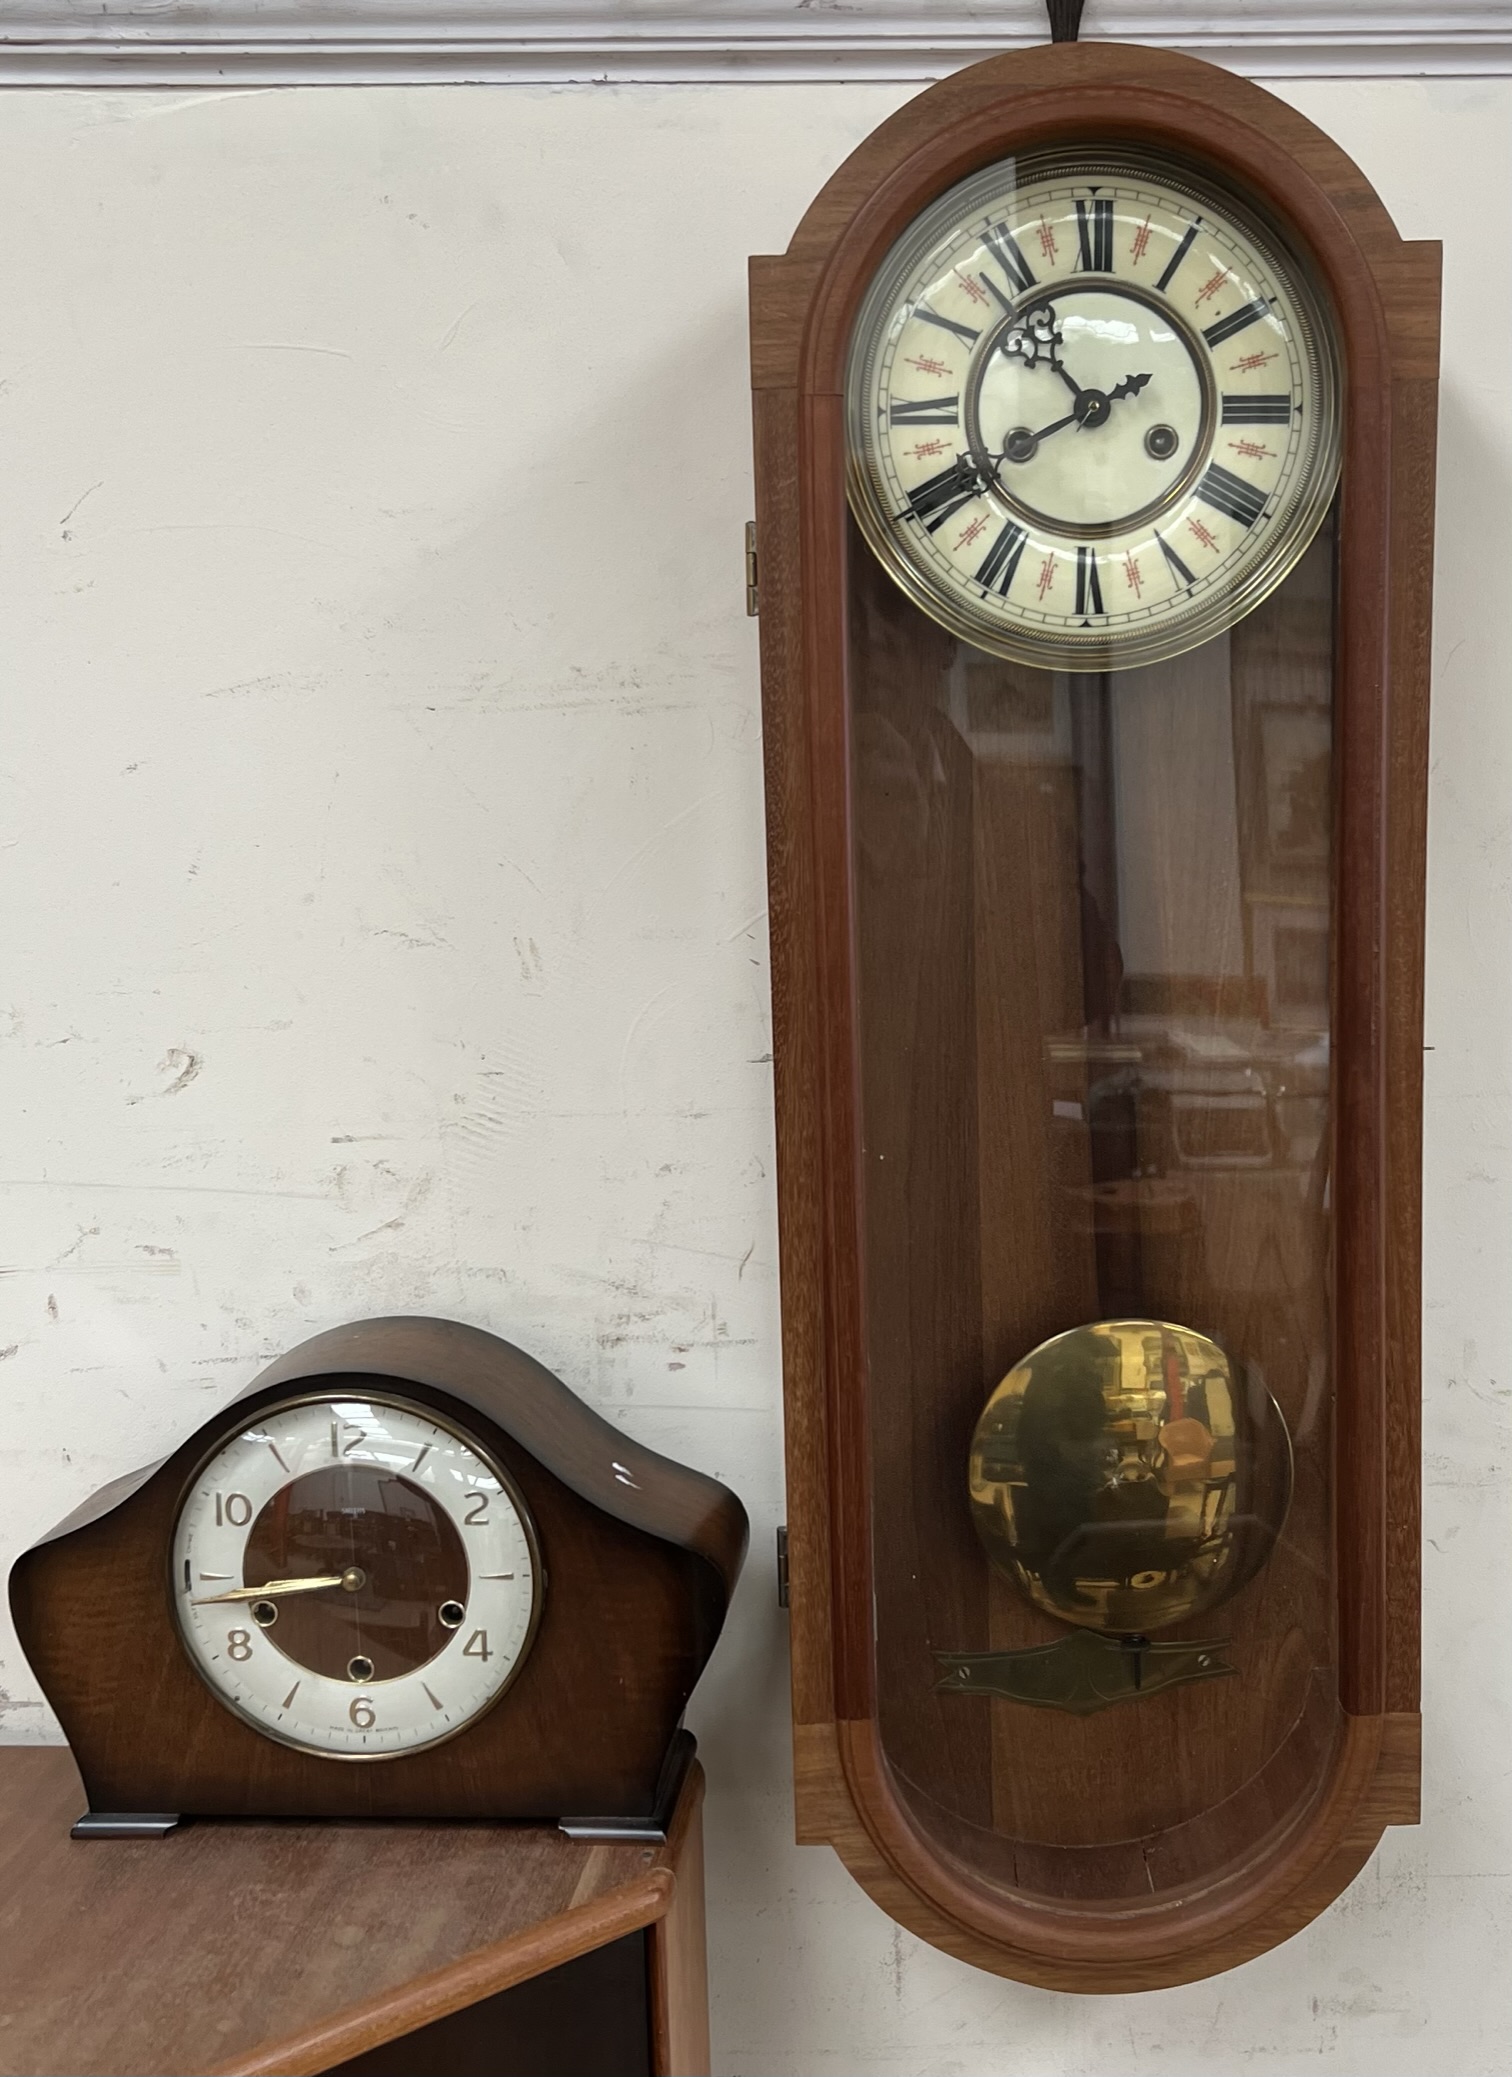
[(426, 1722), (1191, 551)]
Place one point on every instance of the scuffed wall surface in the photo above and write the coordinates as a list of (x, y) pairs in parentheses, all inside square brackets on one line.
[(382, 902)]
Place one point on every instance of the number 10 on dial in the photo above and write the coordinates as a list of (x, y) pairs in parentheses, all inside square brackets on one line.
[(355, 1576)]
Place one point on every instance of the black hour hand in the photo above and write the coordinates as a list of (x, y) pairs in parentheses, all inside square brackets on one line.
[(1037, 339)]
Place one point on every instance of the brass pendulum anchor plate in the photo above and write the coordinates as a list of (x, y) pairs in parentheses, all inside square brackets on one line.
[(1083, 1672)]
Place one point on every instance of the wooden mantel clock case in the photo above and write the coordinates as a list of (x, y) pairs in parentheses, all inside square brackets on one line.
[(1095, 414), (406, 1574)]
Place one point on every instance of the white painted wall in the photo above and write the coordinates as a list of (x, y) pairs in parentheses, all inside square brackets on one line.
[(382, 901)]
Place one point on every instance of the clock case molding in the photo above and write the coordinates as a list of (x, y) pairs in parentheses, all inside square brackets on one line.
[(640, 1556), (1224, 1902)]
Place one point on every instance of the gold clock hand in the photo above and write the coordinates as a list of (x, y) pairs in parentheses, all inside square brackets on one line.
[(353, 1578)]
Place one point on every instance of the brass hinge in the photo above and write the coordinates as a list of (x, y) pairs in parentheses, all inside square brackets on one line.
[(753, 585), (782, 1567)]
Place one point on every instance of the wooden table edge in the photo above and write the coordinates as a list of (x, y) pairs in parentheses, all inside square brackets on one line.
[(638, 1903), (643, 1901)]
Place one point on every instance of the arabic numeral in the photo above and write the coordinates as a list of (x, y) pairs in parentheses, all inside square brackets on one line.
[(363, 1714)]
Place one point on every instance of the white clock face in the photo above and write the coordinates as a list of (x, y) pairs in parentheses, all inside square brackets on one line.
[(355, 1576), (1093, 411)]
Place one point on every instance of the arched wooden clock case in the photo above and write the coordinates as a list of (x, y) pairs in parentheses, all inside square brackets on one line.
[(976, 1153)]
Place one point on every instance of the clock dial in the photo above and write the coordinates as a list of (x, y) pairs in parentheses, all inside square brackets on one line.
[(355, 1576), (1093, 410)]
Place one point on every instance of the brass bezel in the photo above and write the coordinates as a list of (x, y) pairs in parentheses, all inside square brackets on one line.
[(402, 1403), (1319, 465)]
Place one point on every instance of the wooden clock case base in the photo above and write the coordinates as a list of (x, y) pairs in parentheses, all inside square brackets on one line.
[(1141, 1909)]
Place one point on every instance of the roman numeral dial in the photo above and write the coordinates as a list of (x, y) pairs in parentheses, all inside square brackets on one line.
[(1088, 584), (1094, 234), (1259, 410), (1001, 562), (968, 334), (1009, 255), (926, 410), (1232, 495), (1183, 247), (1239, 320), (1093, 409), (939, 499)]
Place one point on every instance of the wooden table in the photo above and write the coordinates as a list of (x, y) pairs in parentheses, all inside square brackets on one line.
[(242, 1947)]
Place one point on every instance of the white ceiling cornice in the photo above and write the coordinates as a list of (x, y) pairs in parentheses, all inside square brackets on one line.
[(277, 42)]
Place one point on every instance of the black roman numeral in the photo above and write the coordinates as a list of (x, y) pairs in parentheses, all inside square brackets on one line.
[(1094, 235), (1257, 410), (1002, 558), (1009, 255), (1088, 589), (1229, 493), (934, 501), (1225, 328), (1176, 259), (1174, 563), (947, 324), (926, 410)]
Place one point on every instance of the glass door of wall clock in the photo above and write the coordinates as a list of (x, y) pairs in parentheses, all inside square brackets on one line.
[(1092, 917)]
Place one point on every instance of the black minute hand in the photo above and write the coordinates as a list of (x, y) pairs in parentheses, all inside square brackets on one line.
[(1055, 426)]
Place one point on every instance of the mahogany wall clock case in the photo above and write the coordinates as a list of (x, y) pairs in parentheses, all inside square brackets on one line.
[(1095, 413)]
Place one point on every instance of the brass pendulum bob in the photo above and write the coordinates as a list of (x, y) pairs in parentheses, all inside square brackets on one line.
[(1125, 1481)]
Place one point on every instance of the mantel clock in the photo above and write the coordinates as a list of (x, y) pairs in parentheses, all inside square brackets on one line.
[(1094, 410), (407, 1573)]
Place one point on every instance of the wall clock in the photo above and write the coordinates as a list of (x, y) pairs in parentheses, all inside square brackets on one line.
[(1094, 412), (407, 1573)]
